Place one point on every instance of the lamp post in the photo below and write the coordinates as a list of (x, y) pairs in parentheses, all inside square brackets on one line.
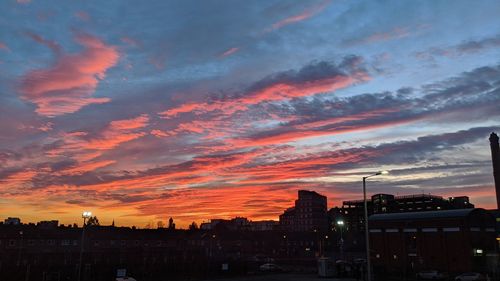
[(367, 233), (340, 224), (85, 216)]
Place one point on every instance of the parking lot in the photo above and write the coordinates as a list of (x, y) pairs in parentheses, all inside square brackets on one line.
[(280, 277)]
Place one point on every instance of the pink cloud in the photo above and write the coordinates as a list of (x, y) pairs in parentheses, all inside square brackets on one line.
[(306, 14), (69, 84), (82, 15), (118, 132), (398, 32), (83, 148), (229, 52), (395, 33), (4, 46), (274, 92), (130, 41), (50, 44), (46, 127), (159, 133)]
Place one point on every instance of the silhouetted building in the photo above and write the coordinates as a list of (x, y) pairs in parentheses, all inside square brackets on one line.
[(239, 224), (352, 212), (309, 213), (287, 219), (12, 221), (48, 224), (267, 225), (452, 241), (495, 158), (33, 253)]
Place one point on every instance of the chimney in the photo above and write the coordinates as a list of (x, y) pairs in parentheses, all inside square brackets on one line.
[(495, 159)]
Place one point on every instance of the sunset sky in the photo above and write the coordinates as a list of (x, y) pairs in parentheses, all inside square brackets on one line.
[(143, 110)]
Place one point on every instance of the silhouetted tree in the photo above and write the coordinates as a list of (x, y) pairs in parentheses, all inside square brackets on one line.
[(94, 221), (171, 224), (193, 226), (149, 225), (160, 224)]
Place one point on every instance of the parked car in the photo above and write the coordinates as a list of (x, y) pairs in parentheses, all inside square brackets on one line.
[(270, 267), (431, 275), (470, 276)]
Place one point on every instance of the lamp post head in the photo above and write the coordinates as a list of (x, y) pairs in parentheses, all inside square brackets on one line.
[(382, 173), (376, 174), (340, 222)]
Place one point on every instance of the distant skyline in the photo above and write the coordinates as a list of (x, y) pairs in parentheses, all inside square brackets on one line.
[(213, 109)]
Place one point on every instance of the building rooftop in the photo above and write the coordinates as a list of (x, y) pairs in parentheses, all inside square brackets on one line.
[(425, 215)]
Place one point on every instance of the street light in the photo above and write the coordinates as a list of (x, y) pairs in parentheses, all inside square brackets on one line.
[(367, 234), (85, 215), (340, 224)]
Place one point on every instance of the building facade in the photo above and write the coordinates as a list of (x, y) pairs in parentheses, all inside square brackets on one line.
[(352, 212), (452, 241), (308, 214)]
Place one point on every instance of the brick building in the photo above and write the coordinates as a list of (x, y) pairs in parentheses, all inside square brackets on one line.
[(46, 252), (452, 241)]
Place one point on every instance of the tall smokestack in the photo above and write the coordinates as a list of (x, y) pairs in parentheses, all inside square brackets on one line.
[(495, 158)]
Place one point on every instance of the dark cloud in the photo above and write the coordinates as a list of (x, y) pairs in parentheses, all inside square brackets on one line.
[(466, 47), (477, 92), (314, 71)]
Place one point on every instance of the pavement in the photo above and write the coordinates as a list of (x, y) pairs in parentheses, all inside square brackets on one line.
[(281, 277)]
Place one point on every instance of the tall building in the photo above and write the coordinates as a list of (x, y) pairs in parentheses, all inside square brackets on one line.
[(495, 159), (309, 213)]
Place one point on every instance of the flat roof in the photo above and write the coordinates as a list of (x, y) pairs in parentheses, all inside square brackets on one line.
[(459, 213)]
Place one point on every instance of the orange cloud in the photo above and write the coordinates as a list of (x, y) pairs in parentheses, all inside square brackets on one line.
[(254, 202), (17, 179), (69, 84)]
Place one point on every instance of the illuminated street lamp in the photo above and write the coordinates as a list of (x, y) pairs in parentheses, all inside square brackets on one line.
[(340, 224), (85, 215), (367, 234)]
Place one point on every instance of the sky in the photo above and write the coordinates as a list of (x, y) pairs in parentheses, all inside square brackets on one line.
[(144, 110)]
